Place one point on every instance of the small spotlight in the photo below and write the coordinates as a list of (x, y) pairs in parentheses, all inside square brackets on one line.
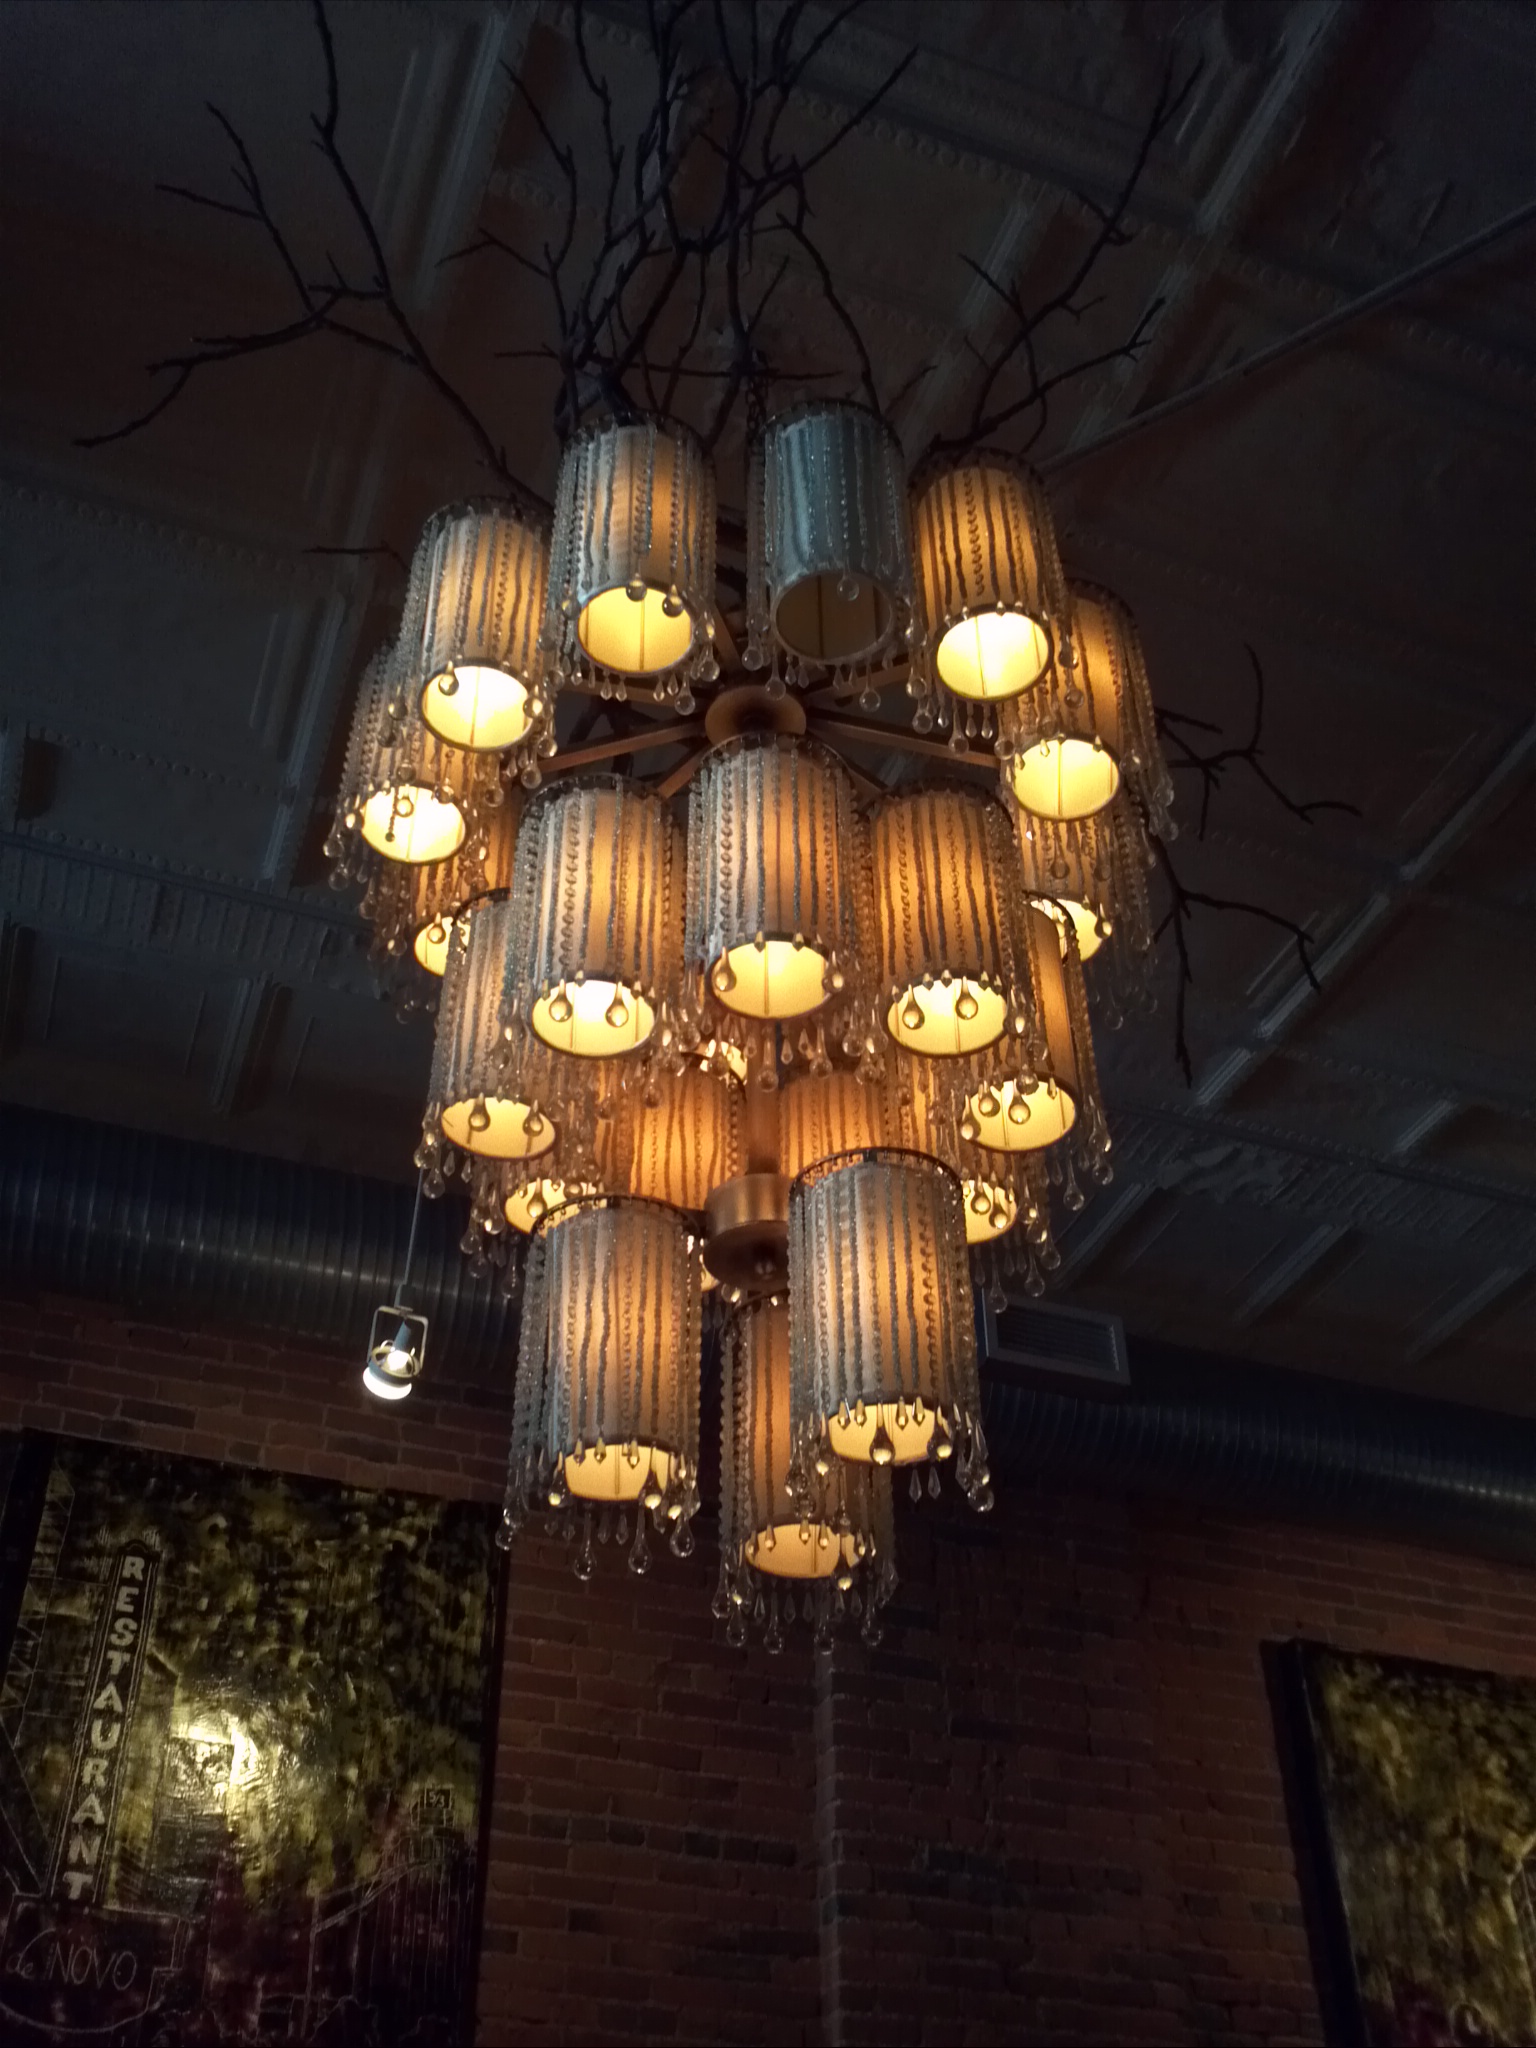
[(397, 1349)]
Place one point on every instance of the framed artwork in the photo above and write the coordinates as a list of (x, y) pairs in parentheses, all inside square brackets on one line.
[(243, 1753), (1413, 1795)]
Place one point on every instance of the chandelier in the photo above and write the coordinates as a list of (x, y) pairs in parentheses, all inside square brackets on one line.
[(773, 1050)]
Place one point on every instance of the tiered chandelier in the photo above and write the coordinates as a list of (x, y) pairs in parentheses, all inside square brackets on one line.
[(765, 1044)]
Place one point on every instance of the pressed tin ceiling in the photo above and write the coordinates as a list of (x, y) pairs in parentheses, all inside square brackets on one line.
[(1350, 1183)]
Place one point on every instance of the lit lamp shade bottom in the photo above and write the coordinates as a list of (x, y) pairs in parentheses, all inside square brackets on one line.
[(1085, 923), (476, 707), (500, 1127), (412, 824), (526, 1205), (619, 1473), (1065, 778), (593, 1019), (798, 1550), (1009, 1118), (430, 944), (989, 1211), (948, 1019), (909, 1435), (635, 636), (774, 980), (993, 655)]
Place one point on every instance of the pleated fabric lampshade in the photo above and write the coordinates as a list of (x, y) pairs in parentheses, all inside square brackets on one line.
[(600, 867), (1053, 1092), (406, 795), (831, 1535), (940, 858), (413, 909), (882, 1326), (491, 1091), (606, 1403), (633, 565), (474, 620), (828, 542), (773, 847), (991, 591), (1088, 724)]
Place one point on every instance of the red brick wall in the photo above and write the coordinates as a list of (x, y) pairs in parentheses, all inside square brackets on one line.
[(1047, 1807)]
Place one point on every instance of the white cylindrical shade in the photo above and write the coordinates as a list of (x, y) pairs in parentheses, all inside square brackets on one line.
[(1067, 744), (406, 795), (829, 542), (1028, 1111), (483, 1096), (606, 1407), (1091, 873), (822, 1115), (599, 866), (633, 570), (772, 860), (679, 1137), (990, 585), (883, 1332), (940, 858), (828, 1534), (474, 616)]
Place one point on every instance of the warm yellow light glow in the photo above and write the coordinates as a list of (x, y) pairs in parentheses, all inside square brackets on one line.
[(716, 1052), (992, 655), (910, 1439), (1084, 920), (430, 944), (832, 618), (477, 707), (634, 636), (498, 1128), (412, 824), (619, 1473), (594, 1019), (1011, 1118), (989, 1210), (535, 1198), (776, 979), (947, 1019), (1065, 778), (792, 1550)]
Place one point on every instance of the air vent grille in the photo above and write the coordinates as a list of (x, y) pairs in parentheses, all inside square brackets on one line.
[(1025, 1339)]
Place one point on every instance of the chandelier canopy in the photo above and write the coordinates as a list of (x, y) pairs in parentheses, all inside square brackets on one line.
[(772, 1017)]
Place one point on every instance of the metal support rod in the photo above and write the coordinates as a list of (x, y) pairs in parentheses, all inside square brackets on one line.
[(634, 743), (1293, 344)]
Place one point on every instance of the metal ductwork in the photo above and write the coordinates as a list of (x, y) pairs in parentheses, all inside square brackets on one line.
[(152, 1223)]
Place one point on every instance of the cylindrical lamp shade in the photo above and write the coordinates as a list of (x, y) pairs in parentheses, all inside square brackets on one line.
[(772, 850), (599, 862), (474, 618), (989, 579), (829, 542), (1068, 743), (406, 795), (680, 1137), (1028, 1111), (633, 570), (606, 1406), (413, 909), (989, 1183), (822, 1115), (829, 1536), (883, 1330), (940, 859), (483, 1096), (1090, 872)]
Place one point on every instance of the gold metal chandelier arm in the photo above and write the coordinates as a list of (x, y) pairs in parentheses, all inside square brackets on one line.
[(894, 739), (631, 743)]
